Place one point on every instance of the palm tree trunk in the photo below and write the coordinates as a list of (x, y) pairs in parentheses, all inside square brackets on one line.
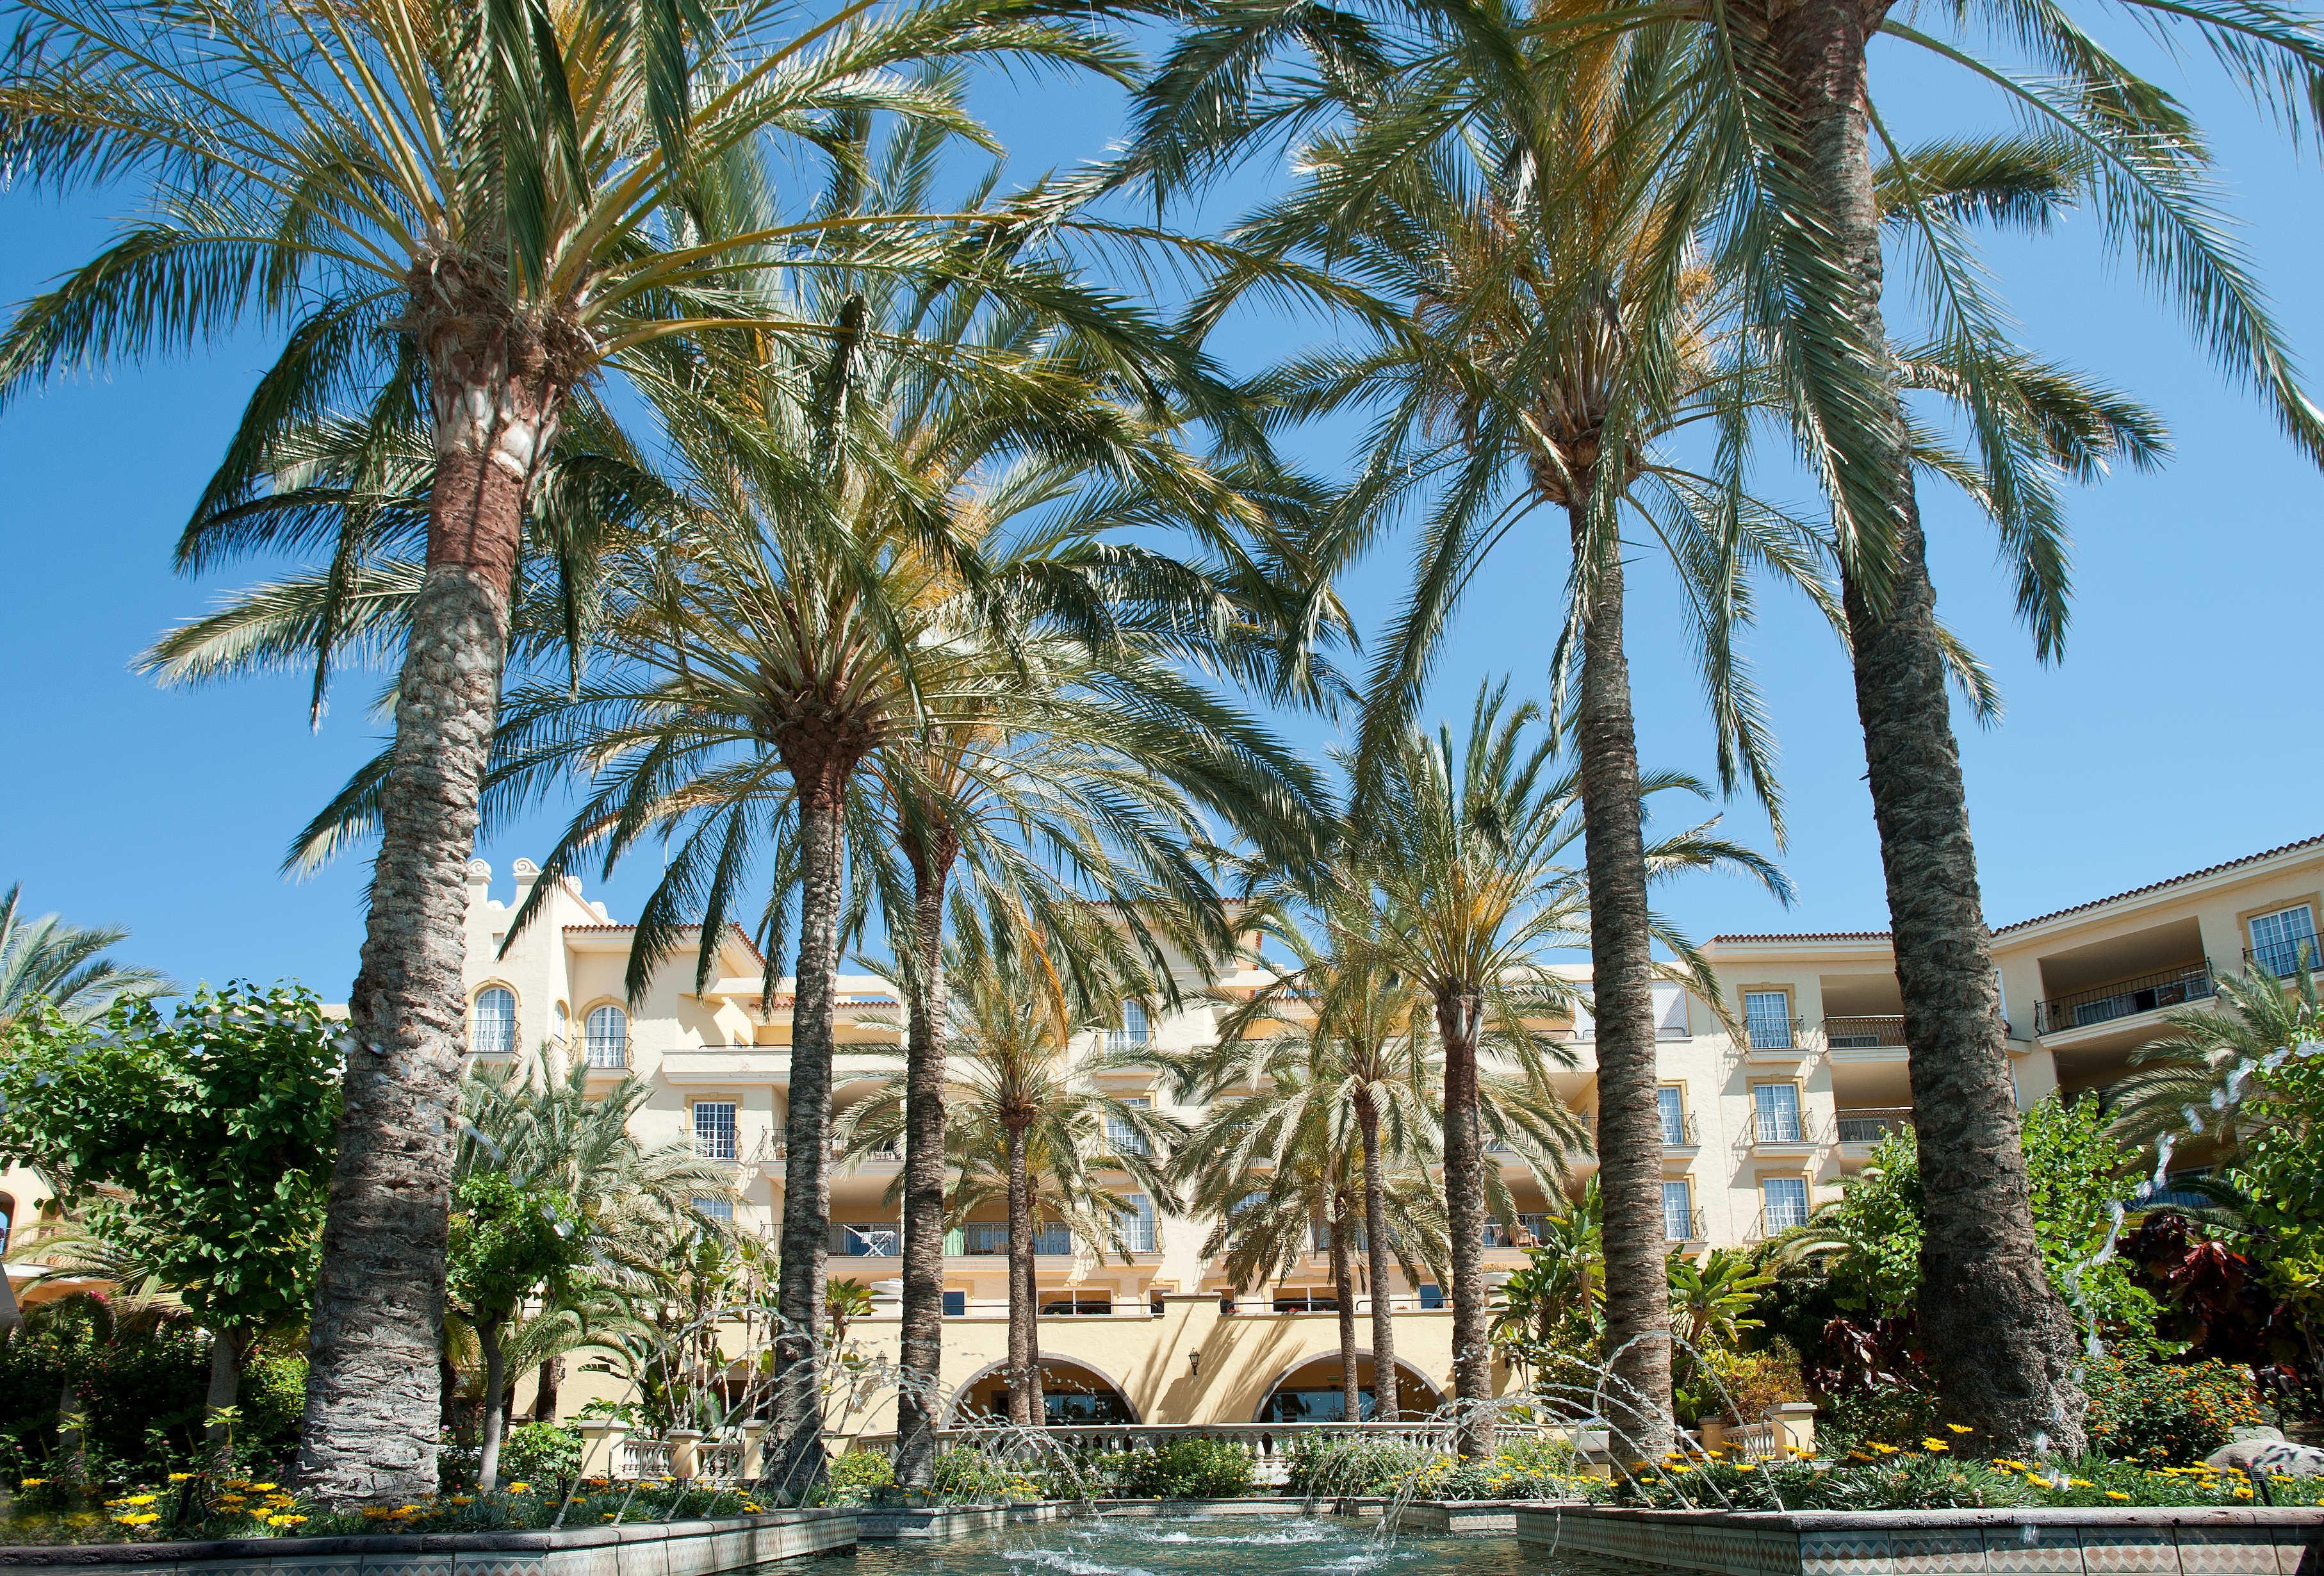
[(544, 1395), (1996, 1336), (488, 1448), (1024, 1353), (1637, 1341), (371, 1419), (1464, 1212), (1387, 1403), (226, 1383), (919, 1400), (1343, 1286), (820, 773)]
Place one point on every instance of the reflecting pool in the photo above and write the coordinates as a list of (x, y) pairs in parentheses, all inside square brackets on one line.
[(1199, 1545)]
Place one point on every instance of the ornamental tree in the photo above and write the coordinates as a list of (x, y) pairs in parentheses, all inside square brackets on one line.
[(199, 1146), (507, 1242)]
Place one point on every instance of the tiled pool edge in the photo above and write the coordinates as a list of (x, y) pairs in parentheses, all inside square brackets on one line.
[(2197, 1541), (721, 1547)]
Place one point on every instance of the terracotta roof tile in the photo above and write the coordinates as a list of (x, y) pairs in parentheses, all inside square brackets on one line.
[(1810, 935), (2196, 875), (740, 935)]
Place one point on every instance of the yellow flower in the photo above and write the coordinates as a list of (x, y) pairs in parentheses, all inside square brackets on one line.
[(180, 1477), (2115, 1494), (464, 1500), (1745, 1467), (520, 1487), (135, 1499), (143, 1518), (1960, 1427), (2244, 1493), (1885, 1450), (2081, 1482), (263, 1487), (1935, 1444), (284, 1520)]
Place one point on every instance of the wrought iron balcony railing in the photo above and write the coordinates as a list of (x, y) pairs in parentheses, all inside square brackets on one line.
[(1684, 1227), (1870, 1126), (1530, 1229), (2283, 958), (1680, 1131), (1865, 1032), (2173, 987), (607, 1051)]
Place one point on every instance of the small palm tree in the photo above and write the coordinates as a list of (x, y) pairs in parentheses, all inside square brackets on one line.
[(64, 966), (1281, 1171), (2202, 1048), (1031, 1127)]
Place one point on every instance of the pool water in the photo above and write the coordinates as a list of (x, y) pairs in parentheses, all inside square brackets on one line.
[(1199, 1545)]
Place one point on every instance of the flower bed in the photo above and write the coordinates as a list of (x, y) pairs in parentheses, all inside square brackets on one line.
[(194, 1506), (1892, 1478)]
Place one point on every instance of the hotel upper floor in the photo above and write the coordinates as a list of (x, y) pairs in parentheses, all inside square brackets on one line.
[(1758, 1125)]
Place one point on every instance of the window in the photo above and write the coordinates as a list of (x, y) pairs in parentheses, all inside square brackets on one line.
[(1306, 1300), (717, 1209), (1432, 1296), (1138, 1230), (1783, 1201), (1077, 1303), (2278, 940), (1678, 1213), (1671, 1104), (1767, 1019), (955, 1305), (1123, 1138), (491, 1031), (1132, 1035), (714, 1128), (1778, 1107), (608, 1035)]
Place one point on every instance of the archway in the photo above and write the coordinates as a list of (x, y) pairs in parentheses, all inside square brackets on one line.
[(1309, 1391), (1071, 1392)]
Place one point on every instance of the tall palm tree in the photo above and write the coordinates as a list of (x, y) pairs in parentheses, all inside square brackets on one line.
[(1030, 1126), (473, 210), (64, 966), (1463, 854), (1769, 145)]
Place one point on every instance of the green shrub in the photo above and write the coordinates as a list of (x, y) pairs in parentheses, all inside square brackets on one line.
[(1184, 1468), (970, 1476), (541, 1452), (858, 1476), (273, 1401), (1925, 1480), (1351, 1464), (2166, 1414)]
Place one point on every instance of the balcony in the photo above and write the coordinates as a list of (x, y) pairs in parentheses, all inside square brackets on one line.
[(1775, 1223), (868, 1240), (1681, 1132), (990, 1239), (1866, 1033), (1686, 1228), (1530, 1230), (1776, 1039), (1868, 1127), (2166, 988), (2283, 959), (1784, 1132)]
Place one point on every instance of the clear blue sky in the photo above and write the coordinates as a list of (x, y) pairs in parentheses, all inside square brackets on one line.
[(2179, 730)]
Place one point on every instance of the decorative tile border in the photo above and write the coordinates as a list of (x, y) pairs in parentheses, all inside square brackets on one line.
[(2199, 1540), (726, 1547)]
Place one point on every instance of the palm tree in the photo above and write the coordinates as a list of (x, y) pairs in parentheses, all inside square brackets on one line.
[(64, 966), (1030, 1126), (1768, 146), (446, 204), (2201, 1050), (1289, 1164), (1462, 854)]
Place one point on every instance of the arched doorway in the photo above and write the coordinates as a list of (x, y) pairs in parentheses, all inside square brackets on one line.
[(1310, 1392), (1071, 1392)]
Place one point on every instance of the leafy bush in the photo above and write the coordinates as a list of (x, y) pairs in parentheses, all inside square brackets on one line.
[(1892, 1478), (1534, 1467), (1884, 1413), (858, 1476), (541, 1452), (2166, 1414), (1351, 1464), (969, 1477), (1740, 1384), (1184, 1468)]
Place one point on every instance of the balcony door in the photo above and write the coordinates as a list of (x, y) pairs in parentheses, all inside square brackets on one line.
[(1778, 1107)]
